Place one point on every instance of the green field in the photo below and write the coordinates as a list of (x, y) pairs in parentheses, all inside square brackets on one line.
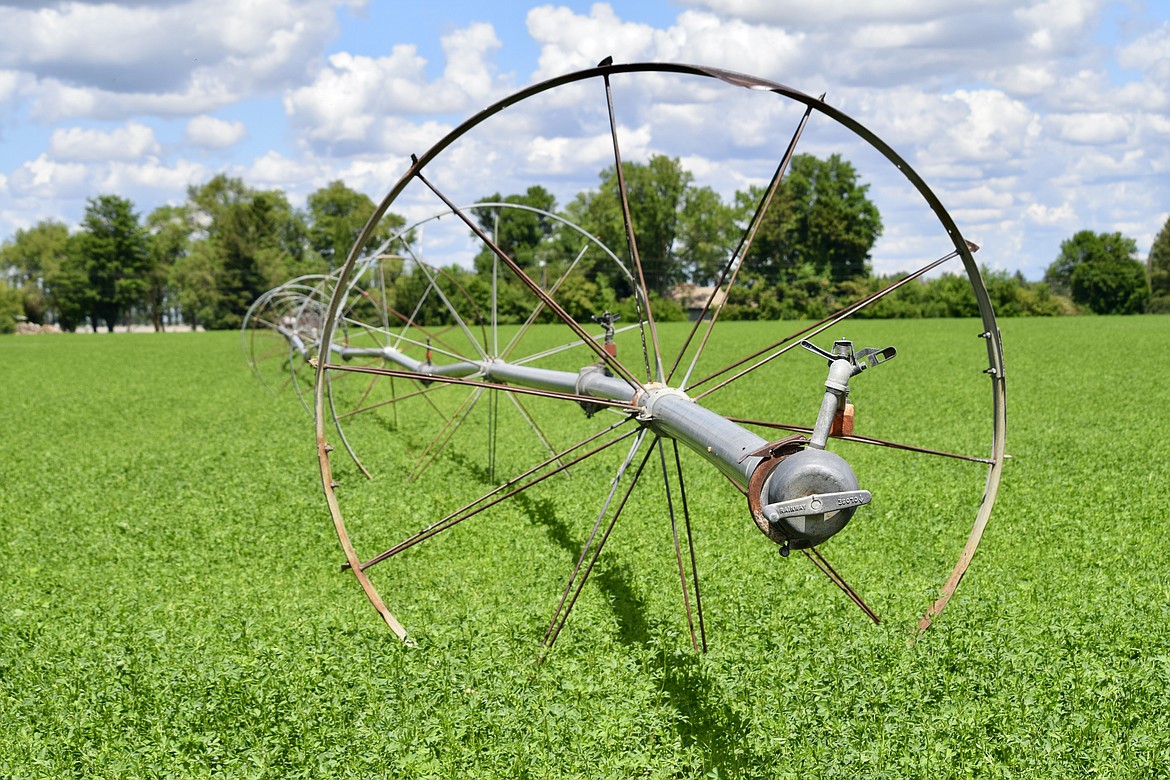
[(171, 602)]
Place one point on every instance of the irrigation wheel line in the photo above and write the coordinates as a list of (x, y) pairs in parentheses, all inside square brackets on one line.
[(656, 394)]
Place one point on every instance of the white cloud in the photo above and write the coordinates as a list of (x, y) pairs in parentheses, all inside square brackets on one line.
[(208, 132), (1092, 128), (1095, 165), (130, 142), (48, 179), (567, 155), (848, 12), (1057, 24), (343, 109), (12, 83), (1050, 215), (571, 41), (996, 127), (1150, 53), (277, 170), (130, 179), (116, 60), (1024, 80)]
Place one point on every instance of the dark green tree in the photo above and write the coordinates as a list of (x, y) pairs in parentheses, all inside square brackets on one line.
[(707, 234), (71, 293), (169, 231), (1159, 270), (337, 215), (31, 258), (657, 195), (518, 232), (113, 246), (820, 216), (10, 307), (1099, 272), (248, 241), (195, 284)]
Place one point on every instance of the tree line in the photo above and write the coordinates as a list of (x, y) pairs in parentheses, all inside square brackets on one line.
[(203, 262)]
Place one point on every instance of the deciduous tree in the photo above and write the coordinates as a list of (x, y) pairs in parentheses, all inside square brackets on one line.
[(1159, 269), (657, 195), (169, 237), (1099, 272), (820, 216), (336, 217), (249, 241), (31, 258)]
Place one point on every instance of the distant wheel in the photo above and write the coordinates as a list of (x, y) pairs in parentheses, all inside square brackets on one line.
[(281, 331), (399, 303), (443, 381)]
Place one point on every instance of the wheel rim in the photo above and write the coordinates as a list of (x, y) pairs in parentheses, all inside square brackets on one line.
[(280, 333), (698, 384)]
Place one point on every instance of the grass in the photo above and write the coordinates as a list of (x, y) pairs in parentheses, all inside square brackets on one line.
[(171, 604)]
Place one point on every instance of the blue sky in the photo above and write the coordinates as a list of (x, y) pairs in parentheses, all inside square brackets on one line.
[(1031, 119)]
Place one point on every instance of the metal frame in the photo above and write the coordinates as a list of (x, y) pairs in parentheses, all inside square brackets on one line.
[(667, 412)]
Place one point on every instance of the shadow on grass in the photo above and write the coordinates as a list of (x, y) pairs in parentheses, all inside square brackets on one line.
[(704, 717)]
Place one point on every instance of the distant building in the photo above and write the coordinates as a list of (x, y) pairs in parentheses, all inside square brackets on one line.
[(693, 298)]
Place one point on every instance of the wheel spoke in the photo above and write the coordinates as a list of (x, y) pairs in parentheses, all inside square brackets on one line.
[(502, 492), (814, 555), (812, 330), (632, 245), (577, 583), (493, 410), (735, 262), (682, 492), (863, 440), (682, 572)]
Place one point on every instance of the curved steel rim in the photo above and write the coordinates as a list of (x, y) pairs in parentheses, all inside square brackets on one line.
[(990, 329)]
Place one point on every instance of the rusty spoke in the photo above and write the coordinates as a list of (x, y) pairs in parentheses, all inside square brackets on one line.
[(654, 372), (613, 363), (682, 492), (577, 583), (736, 261), (682, 572), (789, 342), (814, 555), (864, 440), (504, 491)]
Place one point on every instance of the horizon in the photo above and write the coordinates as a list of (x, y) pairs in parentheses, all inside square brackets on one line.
[(1030, 123)]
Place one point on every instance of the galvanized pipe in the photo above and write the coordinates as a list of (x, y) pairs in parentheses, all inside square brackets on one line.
[(668, 411)]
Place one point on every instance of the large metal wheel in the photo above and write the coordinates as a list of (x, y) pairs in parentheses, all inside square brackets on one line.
[(465, 413)]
